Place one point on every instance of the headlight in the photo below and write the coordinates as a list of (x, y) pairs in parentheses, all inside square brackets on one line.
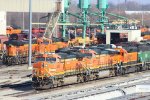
[(46, 65)]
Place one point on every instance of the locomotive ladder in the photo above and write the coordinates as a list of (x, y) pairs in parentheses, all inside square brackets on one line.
[(51, 25)]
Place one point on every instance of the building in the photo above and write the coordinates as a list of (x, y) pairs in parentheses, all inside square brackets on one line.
[(42, 6), (17, 11)]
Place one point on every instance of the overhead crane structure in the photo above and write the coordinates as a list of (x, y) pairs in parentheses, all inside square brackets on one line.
[(61, 16)]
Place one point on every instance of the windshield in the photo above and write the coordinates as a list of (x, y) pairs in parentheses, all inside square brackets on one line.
[(51, 60), (40, 59)]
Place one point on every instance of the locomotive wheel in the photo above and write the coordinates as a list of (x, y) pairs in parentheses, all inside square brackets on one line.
[(112, 73), (86, 78), (123, 71), (148, 66), (16, 60), (144, 67), (119, 71), (26, 60), (97, 77), (4, 59), (80, 78), (138, 69), (22, 60), (94, 76), (59, 82), (9, 61), (44, 86)]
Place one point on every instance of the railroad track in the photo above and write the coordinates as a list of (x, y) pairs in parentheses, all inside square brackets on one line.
[(72, 92), (32, 92), (93, 91), (136, 96), (84, 91)]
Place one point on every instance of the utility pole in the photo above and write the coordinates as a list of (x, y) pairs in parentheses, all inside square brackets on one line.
[(126, 8), (30, 35), (142, 17), (23, 14), (23, 26), (142, 12)]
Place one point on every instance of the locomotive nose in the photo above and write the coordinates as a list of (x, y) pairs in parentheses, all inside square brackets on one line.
[(38, 69), (44, 65)]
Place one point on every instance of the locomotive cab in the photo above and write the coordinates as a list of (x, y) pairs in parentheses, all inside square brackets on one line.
[(44, 62), (44, 69)]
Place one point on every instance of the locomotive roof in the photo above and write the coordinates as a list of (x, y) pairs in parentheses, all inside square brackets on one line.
[(112, 51), (65, 50), (66, 56), (14, 42), (74, 55)]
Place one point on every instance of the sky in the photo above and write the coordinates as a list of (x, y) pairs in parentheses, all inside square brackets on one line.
[(117, 1), (139, 1)]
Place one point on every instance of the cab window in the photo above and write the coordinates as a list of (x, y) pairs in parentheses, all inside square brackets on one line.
[(40, 59), (51, 60)]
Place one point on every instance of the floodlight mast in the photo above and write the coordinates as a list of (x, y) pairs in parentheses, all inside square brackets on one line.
[(30, 36)]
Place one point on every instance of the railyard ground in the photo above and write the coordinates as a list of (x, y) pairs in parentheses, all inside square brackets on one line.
[(15, 83)]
